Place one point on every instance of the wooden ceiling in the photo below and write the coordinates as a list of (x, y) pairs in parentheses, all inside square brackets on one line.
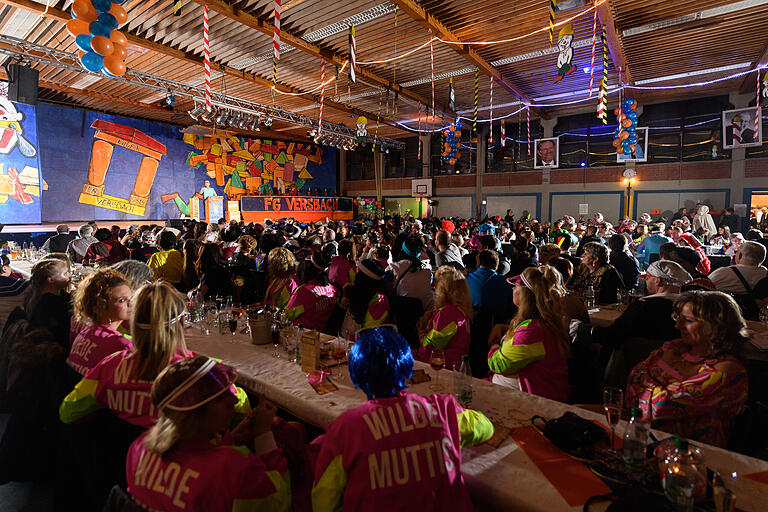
[(647, 40)]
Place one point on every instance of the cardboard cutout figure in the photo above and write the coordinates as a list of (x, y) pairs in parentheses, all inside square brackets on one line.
[(362, 132), (564, 40)]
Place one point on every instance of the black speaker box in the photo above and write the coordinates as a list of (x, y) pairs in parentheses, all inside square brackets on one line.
[(22, 84)]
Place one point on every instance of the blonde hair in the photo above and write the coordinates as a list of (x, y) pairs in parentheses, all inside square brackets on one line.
[(451, 288), (93, 294), (543, 302), (281, 262), (548, 251), (171, 425), (247, 243), (157, 329), (724, 325)]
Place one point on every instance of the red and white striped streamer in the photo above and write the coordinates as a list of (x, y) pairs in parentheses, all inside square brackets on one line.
[(322, 98), (207, 60), (757, 108), (528, 119), (490, 121), (419, 155), (276, 36), (594, 42), (432, 60), (352, 55), (503, 132)]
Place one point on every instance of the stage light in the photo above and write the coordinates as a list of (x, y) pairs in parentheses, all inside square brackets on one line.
[(208, 116), (235, 119), (169, 102), (268, 122), (254, 127), (196, 111), (583, 164), (221, 119), (244, 122)]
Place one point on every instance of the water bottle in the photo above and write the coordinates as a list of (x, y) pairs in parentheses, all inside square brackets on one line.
[(635, 440), (463, 382), (589, 297)]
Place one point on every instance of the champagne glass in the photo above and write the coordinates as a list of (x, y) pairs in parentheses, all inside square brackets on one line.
[(437, 361), (338, 351), (613, 401)]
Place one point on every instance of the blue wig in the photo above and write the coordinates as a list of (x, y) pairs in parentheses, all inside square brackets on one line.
[(380, 362)]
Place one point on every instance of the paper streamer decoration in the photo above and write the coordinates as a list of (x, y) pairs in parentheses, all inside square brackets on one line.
[(352, 55), (477, 93), (432, 62), (490, 121), (757, 108), (322, 97), (602, 96), (207, 60), (451, 94), (736, 126), (503, 133), (419, 155), (276, 47), (177, 7), (528, 120), (592, 64), (552, 6), (378, 116)]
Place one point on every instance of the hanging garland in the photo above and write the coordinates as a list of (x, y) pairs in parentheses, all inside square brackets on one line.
[(757, 108), (322, 98), (378, 116), (490, 127), (764, 95), (552, 6), (352, 55), (419, 154), (275, 47), (592, 65), (451, 94), (503, 133), (207, 55), (528, 120), (432, 62), (602, 96), (477, 92), (177, 7)]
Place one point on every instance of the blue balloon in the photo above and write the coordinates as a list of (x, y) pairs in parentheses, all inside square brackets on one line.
[(92, 61), (632, 140), (102, 5), (83, 41), (632, 115), (627, 150), (458, 125), (626, 110), (97, 29), (107, 20), (445, 159)]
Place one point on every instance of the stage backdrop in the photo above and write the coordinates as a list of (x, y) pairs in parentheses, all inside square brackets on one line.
[(105, 167), (20, 184)]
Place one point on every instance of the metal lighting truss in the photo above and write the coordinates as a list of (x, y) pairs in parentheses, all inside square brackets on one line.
[(333, 134)]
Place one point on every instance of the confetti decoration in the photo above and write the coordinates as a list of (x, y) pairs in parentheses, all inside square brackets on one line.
[(177, 8), (528, 120), (419, 154), (275, 47), (594, 41), (207, 61), (552, 6), (451, 94), (432, 61), (477, 93), (352, 55), (322, 98), (490, 121), (602, 96)]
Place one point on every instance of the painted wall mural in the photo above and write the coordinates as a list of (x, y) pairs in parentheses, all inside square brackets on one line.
[(20, 182), (106, 167)]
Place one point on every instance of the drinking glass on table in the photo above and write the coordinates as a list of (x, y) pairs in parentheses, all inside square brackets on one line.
[(210, 316), (219, 302), (232, 321), (436, 361), (613, 401), (338, 352)]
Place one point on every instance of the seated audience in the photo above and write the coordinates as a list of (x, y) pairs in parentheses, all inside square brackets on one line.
[(380, 363), (448, 252), (590, 235), (77, 247), (413, 275), (488, 289), (366, 299), (597, 272), (623, 261), (695, 386), (650, 245), (342, 269), (147, 247), (105, 250), (282, 277), (212, 272), (135, 272), (60, 241), (745, 272), (47, 302), (312, 303), (704, 266), (168, 263)]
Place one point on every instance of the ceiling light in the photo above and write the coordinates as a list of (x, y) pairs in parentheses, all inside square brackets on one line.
[(268, 122), (208, 116), (244, 122), (196, 111), (221, 119), (235, 119), (169, 101)]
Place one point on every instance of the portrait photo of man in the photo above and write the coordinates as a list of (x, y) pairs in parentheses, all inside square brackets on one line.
[(547, 153)]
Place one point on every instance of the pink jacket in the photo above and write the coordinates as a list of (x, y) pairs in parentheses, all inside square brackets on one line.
[(449, 331), (93, 344), (312, 305)]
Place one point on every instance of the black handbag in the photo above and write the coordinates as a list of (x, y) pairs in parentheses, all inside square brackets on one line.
[(570, 432)]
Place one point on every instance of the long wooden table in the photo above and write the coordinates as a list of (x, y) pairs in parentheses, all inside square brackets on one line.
[(503, 478)]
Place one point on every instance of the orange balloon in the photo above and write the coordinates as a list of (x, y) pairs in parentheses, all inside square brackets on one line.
[(617, 112), (457, 155), (447, 147), (620, 150), (114, 65), (452, 161), (620, 116), (77, 27), (624, 135), (626, 123), (616, 143), (83, 10), (633, 147), (80, 54), (102, 46), (120, 51), (117, 37), (119, 13)]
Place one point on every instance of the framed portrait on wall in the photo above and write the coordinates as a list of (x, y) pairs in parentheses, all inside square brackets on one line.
[(547, 153), (739, 128), (640, 152)]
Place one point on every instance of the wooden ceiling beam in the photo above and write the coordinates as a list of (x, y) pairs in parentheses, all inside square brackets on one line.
[(191, 58), (267, 28), (430, 22), (749, 81), (606, 15)]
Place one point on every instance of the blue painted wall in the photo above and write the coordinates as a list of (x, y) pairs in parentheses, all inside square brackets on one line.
[(23, 206)]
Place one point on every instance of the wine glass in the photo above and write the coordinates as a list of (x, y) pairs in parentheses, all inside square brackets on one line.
[(219, 302), (338, 352), (232, 321), (276, 337), (613, 402), (436, 361), (209, 320)]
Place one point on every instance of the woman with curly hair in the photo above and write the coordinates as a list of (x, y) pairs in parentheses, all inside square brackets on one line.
[(282, 277), (447, 326), (102, 302), (696, 385)]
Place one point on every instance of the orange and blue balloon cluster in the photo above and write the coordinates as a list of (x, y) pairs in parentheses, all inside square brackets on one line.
[(452, 142), (94, 26), (625, 135)]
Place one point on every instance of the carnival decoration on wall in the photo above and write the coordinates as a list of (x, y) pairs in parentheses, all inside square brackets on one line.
[(602, 95), (452, 136), (362, 126), (94, 26), (625, 135), (565, 59), (367, 203)]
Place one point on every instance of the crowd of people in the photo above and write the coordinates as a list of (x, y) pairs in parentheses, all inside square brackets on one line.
[(513, 296)]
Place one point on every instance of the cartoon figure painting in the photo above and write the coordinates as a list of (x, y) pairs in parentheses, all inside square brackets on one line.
[(20, 181), (12, 133), (565, 58)]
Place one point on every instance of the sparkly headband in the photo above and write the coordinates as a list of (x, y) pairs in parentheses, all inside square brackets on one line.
[(365, 270), (205, 384), (167, 323)]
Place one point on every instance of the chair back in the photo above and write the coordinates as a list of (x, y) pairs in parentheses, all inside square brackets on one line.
[(120, 501)]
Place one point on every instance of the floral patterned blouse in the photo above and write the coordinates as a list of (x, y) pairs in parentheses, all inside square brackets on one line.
[(701, 408)]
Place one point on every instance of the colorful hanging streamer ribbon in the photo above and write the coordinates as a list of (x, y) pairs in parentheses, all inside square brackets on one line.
[(602, 96), (419, 154), (503, 127), (432, 62), (552, 6), (177, 7), (275, 46), (528, 120), (477, 94), (322, 98), (378, 116), (352, 55), (451, 94), (490, 121), (594, 41), (757, 109), (207, 61)]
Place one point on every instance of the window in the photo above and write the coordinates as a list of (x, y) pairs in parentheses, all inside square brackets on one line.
[(360, 164), (514, 155), (467, 153)]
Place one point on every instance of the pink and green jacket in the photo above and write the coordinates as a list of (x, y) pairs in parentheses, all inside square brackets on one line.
[(196, 476), (448, 331), (378, 312), (312, 305), (399, 453), (703, 406), (341, 271), (111, 385), (279, 291), (530, 353), (93, 344)]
